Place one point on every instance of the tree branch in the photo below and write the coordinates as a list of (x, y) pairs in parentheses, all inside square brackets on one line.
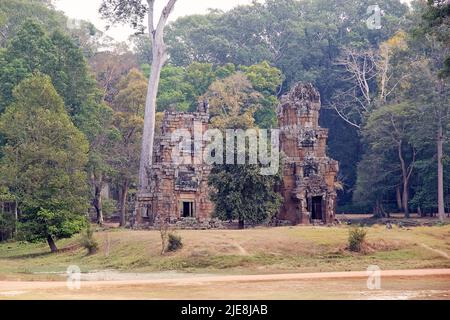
[(151, 13), (345, 118), (164, 17)]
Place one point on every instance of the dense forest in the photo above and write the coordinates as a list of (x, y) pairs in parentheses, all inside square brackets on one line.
[(72, 101)]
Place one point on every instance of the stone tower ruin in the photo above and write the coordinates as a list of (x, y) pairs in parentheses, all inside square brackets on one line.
[(180, 192), (309, 176), (178, 188)]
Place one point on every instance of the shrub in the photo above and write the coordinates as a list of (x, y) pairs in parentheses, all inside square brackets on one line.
[(174, 243), (88, 240), (356, 239)]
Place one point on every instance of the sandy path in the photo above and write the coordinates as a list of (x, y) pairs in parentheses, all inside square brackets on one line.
[(13, 286), (439, 252)]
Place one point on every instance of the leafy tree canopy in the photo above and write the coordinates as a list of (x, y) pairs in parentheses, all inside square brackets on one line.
[(44, 161)]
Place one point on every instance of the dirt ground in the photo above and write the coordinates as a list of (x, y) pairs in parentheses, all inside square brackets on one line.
[(395, 284)]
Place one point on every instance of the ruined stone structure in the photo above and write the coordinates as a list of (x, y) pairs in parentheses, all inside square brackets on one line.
[(179, 186), (179, 192), (309, 176)]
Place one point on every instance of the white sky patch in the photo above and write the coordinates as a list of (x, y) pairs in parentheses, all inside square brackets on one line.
[(88, 10)]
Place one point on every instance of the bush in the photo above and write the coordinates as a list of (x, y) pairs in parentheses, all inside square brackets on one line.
[(356, 239), (88, 241), (174, 243)]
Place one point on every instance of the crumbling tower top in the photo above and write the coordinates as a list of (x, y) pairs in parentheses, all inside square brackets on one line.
[(300, 107)]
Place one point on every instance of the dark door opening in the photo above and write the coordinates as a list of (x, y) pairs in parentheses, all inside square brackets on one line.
[(188, 209), (317, 209)]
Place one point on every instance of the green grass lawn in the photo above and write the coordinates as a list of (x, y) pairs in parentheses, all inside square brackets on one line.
[(253, 251)]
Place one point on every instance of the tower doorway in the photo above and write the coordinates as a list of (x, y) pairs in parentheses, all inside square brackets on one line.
[(317, 208), (187, 209)]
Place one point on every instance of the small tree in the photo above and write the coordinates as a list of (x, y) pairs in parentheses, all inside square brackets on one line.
[(88, 240), (242, 193), (174, 243), (164, 232), (44, 162), (356, 239)]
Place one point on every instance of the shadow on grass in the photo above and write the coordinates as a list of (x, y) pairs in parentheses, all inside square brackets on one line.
[(44, 254), (31, 255)]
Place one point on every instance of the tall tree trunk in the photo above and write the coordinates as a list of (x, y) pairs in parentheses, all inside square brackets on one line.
[(376, 210), (98, 200), (419, 211), (440, 147), (406, 197), (123, 204), (241, 224), (16, 216), (149, 121), (51, 244), (398, 197), (159, 59), (406, 174)]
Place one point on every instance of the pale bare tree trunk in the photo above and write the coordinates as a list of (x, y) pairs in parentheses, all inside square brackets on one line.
[(440, 145), (149, 122), (159, 59)]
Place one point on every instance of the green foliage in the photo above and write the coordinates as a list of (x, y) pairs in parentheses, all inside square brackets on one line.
[(389, 136), (14, 12), (264, 78), (109, 207), (174, 243), (33, 50), (143, 49), (44, 161), (88, 240), (356, 239), (174, 89), (128, 122), (437, 23), (37, 225), (181, 87), (423, 198), (242, 193)]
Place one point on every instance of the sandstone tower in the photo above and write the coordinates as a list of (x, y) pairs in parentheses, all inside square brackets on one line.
[(178, 188), (309, 176)]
